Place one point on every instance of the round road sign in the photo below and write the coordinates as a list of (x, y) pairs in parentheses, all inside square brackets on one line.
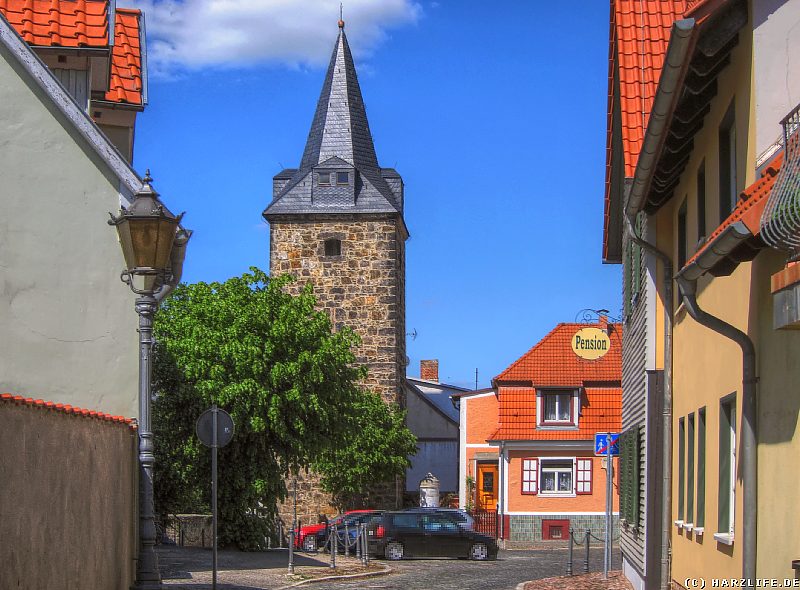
[(205, 427)]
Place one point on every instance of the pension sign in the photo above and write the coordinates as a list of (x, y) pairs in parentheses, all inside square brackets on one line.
[(590, 343)]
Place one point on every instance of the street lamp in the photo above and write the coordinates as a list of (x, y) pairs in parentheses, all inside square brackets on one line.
[(154, 246)]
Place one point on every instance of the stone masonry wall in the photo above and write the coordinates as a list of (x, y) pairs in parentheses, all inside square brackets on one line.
[(363, 288)]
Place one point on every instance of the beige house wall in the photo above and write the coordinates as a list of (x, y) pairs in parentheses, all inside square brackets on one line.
[(68, 489), (68, 323)]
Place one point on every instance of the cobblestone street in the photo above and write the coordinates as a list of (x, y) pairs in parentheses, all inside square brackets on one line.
[(186, 569)]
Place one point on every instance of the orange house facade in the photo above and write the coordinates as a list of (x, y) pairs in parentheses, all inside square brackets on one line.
[(527, 445)]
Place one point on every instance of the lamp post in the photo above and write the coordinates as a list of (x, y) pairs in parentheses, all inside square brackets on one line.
[(153, 244)]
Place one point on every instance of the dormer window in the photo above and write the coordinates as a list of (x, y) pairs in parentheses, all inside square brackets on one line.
[(557, 408), (324, 178), (342, 178), (333, 247)]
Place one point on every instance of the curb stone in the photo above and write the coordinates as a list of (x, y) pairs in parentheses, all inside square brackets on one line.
[(386, 570)]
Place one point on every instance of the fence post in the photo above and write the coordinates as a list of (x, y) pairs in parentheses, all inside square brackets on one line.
[(586, 561), (291, 551), (569, 562)]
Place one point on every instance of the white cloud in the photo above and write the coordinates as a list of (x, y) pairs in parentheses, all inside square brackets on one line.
[(194, 34)]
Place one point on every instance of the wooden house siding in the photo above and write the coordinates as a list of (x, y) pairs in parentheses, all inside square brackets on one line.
[(77, 84)]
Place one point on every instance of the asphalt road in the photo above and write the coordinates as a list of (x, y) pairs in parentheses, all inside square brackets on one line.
[(510, 568)]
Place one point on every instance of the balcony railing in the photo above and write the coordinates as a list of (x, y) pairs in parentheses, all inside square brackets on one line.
[(780, 221)]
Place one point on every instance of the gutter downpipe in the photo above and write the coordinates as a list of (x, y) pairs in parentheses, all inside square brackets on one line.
[(176, 259), (687, 280), (681, 45)]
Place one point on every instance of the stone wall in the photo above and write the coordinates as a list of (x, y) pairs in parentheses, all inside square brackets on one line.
[(528, 527), (67, 498), (363, 288)]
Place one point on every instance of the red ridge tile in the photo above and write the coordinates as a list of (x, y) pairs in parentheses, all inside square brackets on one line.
[(65, 408)]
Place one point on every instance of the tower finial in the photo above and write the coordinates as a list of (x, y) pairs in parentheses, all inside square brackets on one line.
[(341, 15)]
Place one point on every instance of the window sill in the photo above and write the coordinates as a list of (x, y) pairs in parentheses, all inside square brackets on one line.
[(724, 538), (557, 494), (679, 524), (698, 531), (556, 426), (688, 526)]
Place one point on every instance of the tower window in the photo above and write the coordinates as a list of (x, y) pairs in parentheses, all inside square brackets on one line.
[(325, 178), (342, 178), (333, 247)]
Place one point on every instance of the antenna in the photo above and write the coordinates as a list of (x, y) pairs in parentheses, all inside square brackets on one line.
[(412, 334), (476, 378)]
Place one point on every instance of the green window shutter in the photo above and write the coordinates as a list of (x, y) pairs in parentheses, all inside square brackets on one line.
[(626, 278), (701, 467), (690, 470), (681, 466), (629, 476)]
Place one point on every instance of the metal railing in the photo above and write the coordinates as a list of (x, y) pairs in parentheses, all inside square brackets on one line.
[(586, 542), (485, 522)]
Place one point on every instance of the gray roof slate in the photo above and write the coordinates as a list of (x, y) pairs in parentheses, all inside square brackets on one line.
[(339, 137)]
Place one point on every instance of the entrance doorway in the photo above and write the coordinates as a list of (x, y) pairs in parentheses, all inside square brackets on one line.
[(487, 487)]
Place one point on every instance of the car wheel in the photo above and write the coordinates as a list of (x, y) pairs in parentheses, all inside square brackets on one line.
[(479, 552), (394, 551), (310, 544)]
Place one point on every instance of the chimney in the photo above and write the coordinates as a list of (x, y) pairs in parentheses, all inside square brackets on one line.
[(429, 370)]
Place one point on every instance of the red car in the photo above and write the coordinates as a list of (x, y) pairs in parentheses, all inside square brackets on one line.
[(312, 536)]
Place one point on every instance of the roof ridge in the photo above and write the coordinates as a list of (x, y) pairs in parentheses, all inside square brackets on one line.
[(66, 409), (529, 351)]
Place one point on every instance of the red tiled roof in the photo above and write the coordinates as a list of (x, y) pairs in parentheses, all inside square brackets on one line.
[(84, 23), (601, 411), (551, 362), (65, 408), (751, 204), (638, 38)]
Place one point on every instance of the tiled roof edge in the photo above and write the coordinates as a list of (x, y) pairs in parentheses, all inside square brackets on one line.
[(66, 409), (129, 181)]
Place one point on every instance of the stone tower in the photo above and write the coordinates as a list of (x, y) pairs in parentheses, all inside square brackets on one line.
[(337, 221)]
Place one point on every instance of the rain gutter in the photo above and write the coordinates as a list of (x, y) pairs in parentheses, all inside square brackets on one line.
[(714, 252), (681, 43)]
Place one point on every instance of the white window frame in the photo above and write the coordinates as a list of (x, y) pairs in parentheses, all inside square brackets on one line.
[(543, 461), (572, 424)]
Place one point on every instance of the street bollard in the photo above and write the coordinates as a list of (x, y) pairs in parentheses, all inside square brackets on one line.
[(346, 541), (365, 552), (569, 561), (358, 541), (586, 561), (291, 551), (333, 548), (280, 534)]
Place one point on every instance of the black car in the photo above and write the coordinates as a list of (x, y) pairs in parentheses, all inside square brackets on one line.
[(426, 533)]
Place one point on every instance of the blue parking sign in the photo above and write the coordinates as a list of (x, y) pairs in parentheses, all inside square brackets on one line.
[(601, 442)]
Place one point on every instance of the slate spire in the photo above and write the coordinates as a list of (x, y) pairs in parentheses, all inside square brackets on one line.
[(339, 170), (340, 126)]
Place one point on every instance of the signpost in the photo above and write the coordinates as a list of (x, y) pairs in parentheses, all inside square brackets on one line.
[(606, 444), (214, 429)]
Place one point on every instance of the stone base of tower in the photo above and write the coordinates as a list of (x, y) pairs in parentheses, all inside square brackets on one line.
[(315, 505)]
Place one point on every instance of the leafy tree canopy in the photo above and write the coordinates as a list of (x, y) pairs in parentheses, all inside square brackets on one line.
[(292, 388)]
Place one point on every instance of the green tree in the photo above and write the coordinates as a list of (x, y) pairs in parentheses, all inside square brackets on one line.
[(292, 388)]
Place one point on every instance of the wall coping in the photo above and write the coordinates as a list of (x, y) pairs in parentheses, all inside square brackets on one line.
[(67, 409)]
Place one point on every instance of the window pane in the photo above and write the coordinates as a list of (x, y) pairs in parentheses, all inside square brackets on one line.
[(563, 407), (550, 407), (565, 481), (548, 481), (324, 177), (342, 178), (488, 481)]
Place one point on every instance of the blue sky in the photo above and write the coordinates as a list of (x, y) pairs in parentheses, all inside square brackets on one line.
[(494, 113)]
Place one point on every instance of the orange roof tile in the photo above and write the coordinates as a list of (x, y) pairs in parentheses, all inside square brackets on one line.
[(601, 411), (65, 408), (84, 23), (751, 204), (551, 362)]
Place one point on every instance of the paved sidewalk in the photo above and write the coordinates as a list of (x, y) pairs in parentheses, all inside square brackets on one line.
[(615, 581), (190, 568)]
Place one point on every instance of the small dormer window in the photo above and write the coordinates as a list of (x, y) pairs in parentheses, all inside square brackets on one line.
[(557, 408), (324, 178), (343, 178), (333, 247)]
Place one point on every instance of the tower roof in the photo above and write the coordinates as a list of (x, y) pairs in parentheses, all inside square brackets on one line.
[(339, 139)]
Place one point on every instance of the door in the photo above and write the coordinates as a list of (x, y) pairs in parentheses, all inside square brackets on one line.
[(487, 487), (442, 536)]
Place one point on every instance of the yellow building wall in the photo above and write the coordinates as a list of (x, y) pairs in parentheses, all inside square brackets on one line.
[(706, 366), (778, 368)]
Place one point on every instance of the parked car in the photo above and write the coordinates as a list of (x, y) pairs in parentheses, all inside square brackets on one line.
[(426, 532), (457, 514)]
